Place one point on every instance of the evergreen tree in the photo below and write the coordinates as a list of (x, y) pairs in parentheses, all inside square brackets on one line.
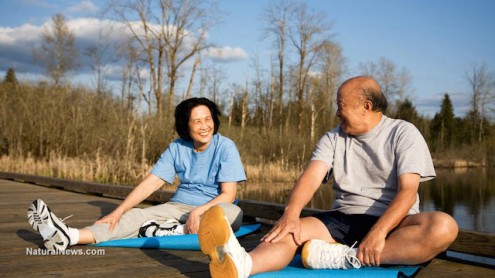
[(443, 125), (10, 77), (406, 111)]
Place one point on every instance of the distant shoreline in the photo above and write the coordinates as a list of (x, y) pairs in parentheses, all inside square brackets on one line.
[(457, 163)]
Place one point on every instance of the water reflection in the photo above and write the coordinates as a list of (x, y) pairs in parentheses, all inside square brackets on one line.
[(467, 194)]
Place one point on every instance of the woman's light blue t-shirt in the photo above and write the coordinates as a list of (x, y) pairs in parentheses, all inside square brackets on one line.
[(200, 174)]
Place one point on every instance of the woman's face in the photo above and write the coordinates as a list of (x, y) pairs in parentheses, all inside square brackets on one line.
[(201, 127)]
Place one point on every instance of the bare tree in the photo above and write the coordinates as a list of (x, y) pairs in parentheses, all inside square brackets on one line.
[(331, 65), (57, 51), (193, 73), (276, 16), (130, 74), (170, 32), (483, 95), (100, 54), (214, 82), (394, 83), (307, 32)]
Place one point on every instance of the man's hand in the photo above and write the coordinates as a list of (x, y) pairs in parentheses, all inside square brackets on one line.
[(371, 248), (285, 225)]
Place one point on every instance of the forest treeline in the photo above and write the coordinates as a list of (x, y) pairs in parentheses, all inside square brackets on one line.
[(275, 117), (113, 143)]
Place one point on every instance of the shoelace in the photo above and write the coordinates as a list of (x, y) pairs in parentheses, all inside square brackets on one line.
[(336, 260), (67, 217), (352, 259)]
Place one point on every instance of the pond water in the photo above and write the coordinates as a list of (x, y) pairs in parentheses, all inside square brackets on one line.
[(468, 194)]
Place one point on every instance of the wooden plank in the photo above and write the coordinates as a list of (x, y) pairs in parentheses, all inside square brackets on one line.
[(443, 268), (469, 242), (18, 236), (474, 243)]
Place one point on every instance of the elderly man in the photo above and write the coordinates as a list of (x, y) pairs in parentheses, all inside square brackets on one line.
[(378, 163)]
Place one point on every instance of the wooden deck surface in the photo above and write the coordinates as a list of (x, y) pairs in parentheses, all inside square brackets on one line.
[(18, 238), (19, 242)]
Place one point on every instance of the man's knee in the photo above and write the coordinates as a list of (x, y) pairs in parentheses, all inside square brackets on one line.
[(444, 228)]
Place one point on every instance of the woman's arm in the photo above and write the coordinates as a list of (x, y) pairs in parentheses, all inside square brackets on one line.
[(227, 195), (149, 185)]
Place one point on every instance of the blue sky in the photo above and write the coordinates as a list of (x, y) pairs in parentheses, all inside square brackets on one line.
[(437, 41)]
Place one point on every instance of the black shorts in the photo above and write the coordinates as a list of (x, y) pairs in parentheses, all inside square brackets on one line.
[(347, 228)]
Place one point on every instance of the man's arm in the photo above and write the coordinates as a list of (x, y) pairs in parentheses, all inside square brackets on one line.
[(301, 194), (372, 245)]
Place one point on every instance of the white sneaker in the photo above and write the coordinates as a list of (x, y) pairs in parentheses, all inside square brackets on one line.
[(217, 240), (319, 254), (53, 230), (169, 227)]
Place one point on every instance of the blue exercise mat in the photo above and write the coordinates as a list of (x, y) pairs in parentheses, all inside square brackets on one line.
[(180, 242), (296, 269)]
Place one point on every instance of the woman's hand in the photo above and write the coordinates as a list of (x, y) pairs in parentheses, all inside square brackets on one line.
[(192, 223), (112, 219)]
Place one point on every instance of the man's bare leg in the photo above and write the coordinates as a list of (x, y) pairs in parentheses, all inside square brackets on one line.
[(275, 256), (419, 238)]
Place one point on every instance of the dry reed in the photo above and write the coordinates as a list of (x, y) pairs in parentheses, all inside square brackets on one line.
[(104, 169)]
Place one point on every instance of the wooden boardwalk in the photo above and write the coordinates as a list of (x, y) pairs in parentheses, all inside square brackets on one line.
[(20, 243), (18, 239)]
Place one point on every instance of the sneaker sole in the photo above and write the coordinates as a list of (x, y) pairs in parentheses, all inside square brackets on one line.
[(213, 235), (39, 212), (305, 254)]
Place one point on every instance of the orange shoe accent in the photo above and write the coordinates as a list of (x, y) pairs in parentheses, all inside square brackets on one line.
[(214, 232)]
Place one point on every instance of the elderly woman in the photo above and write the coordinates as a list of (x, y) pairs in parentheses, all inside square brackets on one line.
[(208, 166)]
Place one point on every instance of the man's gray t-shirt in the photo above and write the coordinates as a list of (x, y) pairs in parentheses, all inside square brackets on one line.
[(366, 167)]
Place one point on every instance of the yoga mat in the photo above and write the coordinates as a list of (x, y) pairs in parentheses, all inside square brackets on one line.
[(180, 242)]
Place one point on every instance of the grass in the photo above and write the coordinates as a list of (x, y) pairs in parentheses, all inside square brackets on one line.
[(103, 169)]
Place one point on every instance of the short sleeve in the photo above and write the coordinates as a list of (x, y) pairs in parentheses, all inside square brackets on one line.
[(325, 149), (231, 169), (164, 168), (413, 155)]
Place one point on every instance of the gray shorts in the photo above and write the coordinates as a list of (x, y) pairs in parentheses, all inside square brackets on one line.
[(131, 221)]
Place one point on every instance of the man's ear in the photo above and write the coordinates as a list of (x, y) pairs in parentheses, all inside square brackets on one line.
[(368, 105)]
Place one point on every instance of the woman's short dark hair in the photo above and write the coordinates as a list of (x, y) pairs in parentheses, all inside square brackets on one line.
[(183, 113)]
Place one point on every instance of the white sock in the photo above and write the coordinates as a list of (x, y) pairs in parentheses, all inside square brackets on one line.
[(73, 236), (180, 229)]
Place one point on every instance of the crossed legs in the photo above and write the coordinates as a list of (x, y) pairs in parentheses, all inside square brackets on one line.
[(417, 239)]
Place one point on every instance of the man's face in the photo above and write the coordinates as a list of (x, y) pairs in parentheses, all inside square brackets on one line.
[(351, 111)]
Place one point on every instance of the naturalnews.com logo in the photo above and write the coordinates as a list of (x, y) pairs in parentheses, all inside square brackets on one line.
[(67, 252)]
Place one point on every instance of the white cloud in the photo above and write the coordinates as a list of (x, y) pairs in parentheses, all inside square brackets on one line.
[(227, 53), (19, 35), (16, 45)]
